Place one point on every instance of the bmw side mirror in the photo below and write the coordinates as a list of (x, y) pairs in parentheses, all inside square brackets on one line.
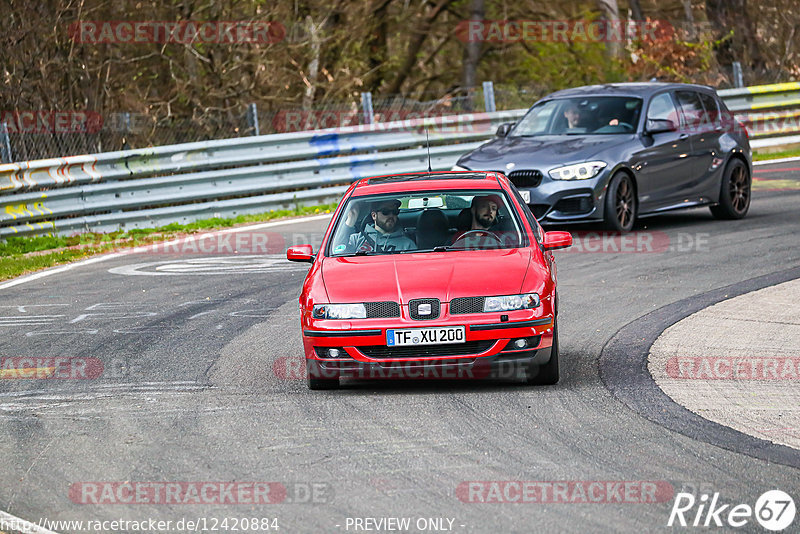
[(302, 253), (557, 240), (655, 126), (504, 128)]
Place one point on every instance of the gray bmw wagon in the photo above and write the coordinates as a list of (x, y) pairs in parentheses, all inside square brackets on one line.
[(617, 152)]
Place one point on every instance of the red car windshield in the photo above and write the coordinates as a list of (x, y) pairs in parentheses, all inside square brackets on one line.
[(429, 221)]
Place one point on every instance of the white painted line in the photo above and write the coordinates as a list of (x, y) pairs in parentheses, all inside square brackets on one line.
[(21, 525), (104, 257), (779, 160), (70, 266)]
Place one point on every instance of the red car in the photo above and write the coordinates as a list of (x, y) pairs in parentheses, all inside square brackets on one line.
[(443, 275)]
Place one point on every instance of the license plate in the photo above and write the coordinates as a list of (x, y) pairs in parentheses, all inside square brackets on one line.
[(526, 196), (425, 336)]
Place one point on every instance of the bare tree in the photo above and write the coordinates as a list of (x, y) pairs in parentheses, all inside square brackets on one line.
[(731, 15), (419, 34)]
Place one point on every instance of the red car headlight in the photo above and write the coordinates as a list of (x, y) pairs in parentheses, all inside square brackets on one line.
[(339, 311), (525, 301)]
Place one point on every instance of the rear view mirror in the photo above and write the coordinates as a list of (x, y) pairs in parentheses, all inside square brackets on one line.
[(504, 128), (304, 253), (655, 126), (557, 240)]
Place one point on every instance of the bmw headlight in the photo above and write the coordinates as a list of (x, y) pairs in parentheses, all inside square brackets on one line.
[(458, 168), (526, 301), (579, 171), (339, 311)]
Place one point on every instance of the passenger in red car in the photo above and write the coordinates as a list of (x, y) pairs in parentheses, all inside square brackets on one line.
[(383, 235)]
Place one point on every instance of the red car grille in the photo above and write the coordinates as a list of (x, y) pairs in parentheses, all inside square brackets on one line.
[(426, 351), (382, 309), (466, 305)]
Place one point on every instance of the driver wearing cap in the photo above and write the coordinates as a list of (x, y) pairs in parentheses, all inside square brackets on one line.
[(383, 235)]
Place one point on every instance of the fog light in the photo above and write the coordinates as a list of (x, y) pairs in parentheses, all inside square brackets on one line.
[(520, 344), (333, 353)]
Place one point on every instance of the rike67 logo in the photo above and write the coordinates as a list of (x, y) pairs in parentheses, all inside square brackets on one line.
[(774, 510)]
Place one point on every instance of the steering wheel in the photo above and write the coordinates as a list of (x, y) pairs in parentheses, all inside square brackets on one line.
[(625, 126), (477, 233)]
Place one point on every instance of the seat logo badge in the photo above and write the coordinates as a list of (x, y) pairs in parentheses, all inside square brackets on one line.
[(424, 309)]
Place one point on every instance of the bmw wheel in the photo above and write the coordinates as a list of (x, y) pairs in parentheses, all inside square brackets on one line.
[(621, 204), (734, 196)]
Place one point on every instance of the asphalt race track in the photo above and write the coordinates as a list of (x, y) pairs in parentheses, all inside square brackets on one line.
[(184, 368)]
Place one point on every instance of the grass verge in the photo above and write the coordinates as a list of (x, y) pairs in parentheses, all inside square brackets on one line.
[(760, 156), (22, 255)]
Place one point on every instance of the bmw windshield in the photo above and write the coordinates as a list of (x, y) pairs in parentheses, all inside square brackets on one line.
[(602, 115)]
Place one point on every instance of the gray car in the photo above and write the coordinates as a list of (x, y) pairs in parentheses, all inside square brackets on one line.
[(617, 152)]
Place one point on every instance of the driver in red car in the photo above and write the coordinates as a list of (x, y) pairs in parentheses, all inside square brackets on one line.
[(484, 215)]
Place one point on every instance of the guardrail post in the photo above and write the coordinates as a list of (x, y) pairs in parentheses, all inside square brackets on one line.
[(366, 108), (252, 118), (738, 79), (5, 144), (488, 97)]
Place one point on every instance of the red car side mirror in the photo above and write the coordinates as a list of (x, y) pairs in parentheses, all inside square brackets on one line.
[(304, 253), (556, 240)]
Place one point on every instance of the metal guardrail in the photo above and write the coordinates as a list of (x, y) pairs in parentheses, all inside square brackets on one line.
[(771, 113), (224, 178), (182, 183)]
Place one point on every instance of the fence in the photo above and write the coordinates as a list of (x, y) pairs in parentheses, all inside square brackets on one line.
[(128, 130), (224, 178)]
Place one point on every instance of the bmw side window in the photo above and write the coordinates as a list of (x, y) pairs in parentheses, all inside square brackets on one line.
[(712, 112), (691, 107), (663, 108)]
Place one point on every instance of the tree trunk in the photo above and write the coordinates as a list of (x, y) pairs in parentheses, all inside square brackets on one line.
[(472, 52), (690, 25), (636, 10), (313, 66), (377, 45), (610, 13)]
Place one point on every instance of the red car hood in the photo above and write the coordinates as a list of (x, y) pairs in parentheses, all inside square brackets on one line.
[(442, 275)]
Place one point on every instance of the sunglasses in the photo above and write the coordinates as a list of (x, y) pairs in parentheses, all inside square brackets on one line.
[(386, 212)]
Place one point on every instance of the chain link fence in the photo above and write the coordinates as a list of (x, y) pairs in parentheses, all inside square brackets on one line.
[(30, 138), (26, 138)]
